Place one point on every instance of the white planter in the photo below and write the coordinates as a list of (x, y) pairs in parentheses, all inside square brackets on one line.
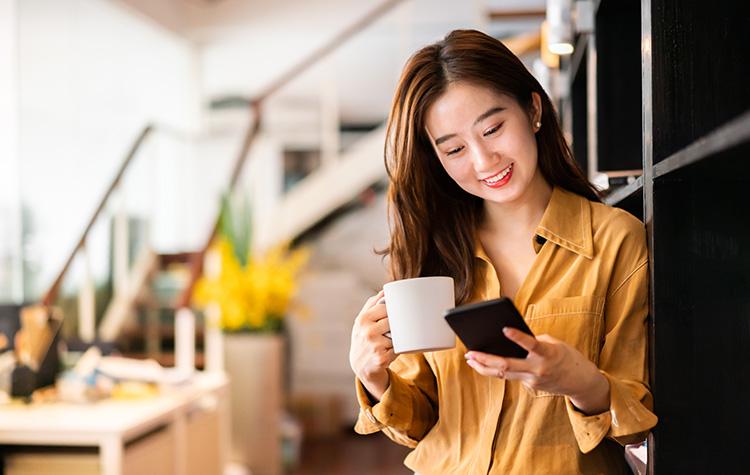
[(254, 364)]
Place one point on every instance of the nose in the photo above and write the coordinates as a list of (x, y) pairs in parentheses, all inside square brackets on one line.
[(484, 158)]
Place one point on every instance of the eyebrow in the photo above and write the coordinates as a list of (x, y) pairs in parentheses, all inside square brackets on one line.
[(479, 119)]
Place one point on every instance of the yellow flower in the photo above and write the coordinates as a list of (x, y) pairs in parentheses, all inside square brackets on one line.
[(253, 297)]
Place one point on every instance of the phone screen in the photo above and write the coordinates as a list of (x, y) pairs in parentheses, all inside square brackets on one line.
[(480, 326)]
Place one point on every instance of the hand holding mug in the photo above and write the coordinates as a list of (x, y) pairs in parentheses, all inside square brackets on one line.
[(371, 351)]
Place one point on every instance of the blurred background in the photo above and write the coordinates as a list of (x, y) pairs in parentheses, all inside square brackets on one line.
[(192, 191), (126, 125)]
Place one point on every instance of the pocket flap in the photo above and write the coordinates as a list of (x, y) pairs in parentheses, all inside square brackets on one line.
[(582, 304)]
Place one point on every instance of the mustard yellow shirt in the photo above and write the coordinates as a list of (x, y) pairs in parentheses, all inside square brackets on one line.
[(588, 286)]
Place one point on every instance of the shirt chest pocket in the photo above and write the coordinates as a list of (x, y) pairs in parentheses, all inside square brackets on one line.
[(575, 320)]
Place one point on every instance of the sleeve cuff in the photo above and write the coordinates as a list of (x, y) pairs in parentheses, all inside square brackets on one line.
[(390, 411), (366, 422), (626, 420), (588, 430), (630, 406), (379, 417)]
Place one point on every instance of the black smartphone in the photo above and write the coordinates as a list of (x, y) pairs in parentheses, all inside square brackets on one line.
[(480, 326)]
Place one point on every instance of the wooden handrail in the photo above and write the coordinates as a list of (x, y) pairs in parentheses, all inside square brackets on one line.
[(327, 48), (512, 14), (196, 264), (51, 294)]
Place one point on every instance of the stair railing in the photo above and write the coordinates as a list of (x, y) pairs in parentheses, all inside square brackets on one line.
[(128, 283), (87, 292), (183, 303)]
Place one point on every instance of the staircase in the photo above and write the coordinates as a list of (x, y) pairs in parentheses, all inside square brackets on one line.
[(149, 288), (149, 333)]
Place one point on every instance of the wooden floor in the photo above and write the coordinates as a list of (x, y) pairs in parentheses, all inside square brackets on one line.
[(353, 454)]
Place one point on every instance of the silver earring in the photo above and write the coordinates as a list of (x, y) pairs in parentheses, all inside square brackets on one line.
[(538, 125)]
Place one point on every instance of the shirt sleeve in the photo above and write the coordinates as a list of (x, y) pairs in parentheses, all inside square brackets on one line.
[(408, 408), (623, 360)]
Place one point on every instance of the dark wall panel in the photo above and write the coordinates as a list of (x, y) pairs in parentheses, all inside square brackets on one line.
[(700, 68), (618, 33), (702, 316)]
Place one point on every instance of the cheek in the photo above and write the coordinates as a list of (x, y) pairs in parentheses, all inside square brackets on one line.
[(525, 148), (459, 170)]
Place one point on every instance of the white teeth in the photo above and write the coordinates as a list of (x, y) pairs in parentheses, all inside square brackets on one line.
[(499, 176)]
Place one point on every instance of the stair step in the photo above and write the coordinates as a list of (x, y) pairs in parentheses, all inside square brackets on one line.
[(170, 259)]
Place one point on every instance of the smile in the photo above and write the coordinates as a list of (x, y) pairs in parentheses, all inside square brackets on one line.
[(500, 178)]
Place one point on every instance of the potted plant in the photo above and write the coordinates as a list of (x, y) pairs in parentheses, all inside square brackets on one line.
[(247, 295)]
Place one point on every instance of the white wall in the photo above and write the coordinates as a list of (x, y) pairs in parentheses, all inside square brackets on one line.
[(246, 46), (11, 278), (92, 73), (249, 53), (342, 274)]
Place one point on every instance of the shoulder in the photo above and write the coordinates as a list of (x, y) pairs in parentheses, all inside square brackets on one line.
[(618, 234)]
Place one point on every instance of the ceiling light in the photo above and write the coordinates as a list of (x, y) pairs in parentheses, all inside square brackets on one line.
[(560, 27)]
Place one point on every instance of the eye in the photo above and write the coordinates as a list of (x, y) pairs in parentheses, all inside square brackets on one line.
[(492, 130), (454, 151)]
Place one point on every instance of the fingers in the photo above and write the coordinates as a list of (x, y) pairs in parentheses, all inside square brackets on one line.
[(504, 365), (524, 340), (513, 375), (485, 358), (372, 301), (484, 370), (500, 372), (547, 339), (372, 311), (381, 327), (493, 372), (377, 332), (382, 343), (382, 356)]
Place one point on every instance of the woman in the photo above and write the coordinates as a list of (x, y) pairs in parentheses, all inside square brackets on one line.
[(484, 189)]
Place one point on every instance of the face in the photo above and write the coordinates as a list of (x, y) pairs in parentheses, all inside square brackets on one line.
[(485, 141)]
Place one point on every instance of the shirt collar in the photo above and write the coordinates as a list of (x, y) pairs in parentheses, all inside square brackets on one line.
[(566, 222)]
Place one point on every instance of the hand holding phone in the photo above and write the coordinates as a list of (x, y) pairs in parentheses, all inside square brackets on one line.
[(480, 326)]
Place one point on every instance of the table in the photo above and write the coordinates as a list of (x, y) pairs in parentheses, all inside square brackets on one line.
[(190, 421)]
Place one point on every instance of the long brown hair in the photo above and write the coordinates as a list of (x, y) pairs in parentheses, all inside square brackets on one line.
[(433, 220)]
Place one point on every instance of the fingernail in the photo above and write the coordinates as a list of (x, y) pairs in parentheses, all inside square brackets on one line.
[(507, 330), (467, 356)]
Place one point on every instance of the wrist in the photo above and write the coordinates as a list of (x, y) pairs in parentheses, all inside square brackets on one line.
[(593, 397), (376, 384)]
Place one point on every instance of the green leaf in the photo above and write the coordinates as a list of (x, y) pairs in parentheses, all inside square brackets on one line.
[(235, 224)]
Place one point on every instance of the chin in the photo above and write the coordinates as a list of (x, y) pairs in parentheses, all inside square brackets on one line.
[(506, 194)]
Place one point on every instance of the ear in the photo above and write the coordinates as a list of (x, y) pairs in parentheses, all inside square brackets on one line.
[(536, 107)]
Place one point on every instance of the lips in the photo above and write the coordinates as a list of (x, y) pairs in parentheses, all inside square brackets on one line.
[(499, 179)]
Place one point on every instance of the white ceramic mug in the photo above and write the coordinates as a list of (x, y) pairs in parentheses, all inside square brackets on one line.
[(416, 310)]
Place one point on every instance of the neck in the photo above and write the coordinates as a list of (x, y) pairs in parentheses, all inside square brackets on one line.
[(521, 216)]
